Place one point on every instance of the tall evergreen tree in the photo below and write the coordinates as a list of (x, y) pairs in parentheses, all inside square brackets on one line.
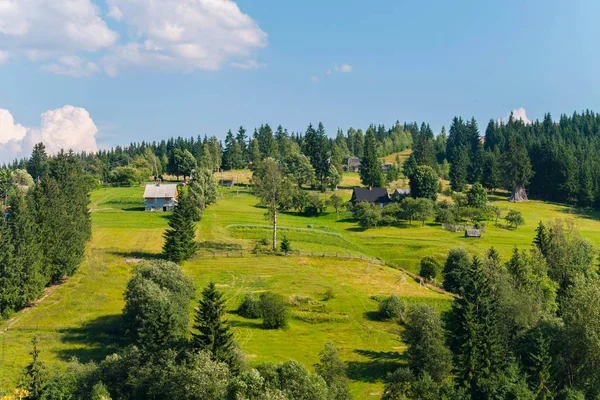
[(180, 243), (371, 173), (213, 333), (37, 165), (315, 148), (35, 376), (458, 169)]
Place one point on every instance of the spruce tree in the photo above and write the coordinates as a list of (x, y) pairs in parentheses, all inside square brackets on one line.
[(9, 276), (180, 243), (37, 166), (476, 343), (35, 376), (458, 169), (542, 239), (213, 333), (371, 173)]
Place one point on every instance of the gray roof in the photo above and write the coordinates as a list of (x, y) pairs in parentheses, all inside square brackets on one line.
[(473, 233), (402, 192), (354, 162), (162, 191), (373, 195)]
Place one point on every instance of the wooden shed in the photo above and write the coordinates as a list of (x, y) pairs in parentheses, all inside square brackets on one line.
[(473, 233)]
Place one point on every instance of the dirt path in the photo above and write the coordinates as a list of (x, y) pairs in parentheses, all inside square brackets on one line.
[(47, 292)]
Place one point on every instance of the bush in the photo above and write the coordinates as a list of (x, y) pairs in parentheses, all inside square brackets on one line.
[(367, 214), (250, 307), (286, 246), (329, 294), (392, 308), (273, 310), (429, 268)]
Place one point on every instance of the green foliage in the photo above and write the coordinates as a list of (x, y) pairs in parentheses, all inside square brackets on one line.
[(458, 169), (333, 371), (423, 209), (367, 214), (315, 204), (424, 337), (286, 246), (293, 381), (424, 183), (156, 312), (455, 270), (250, 307), (212, 333), (35, 375), (392, 308), (315, 148), (429, 268), (410, 166), (99, 392), (371, 173), (129, 176), (273, 309), (299, 169), (514, 218), (337, 202), (180, 238), (477, 196)]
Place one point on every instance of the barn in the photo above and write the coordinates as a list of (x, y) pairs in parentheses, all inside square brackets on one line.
[(160, 197)]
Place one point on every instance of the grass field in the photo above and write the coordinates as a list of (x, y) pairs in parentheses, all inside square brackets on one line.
[(82, 317)]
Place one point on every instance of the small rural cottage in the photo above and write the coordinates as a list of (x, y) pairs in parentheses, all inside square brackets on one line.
[(226, 182), (378, 196), (353, 164), (400, 194), (160, 197), (474, 233)]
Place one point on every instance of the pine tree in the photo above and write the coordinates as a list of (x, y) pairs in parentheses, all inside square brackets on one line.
[(490, 171), (37, 166), (35, 376), (180, 243), (315, 148), (371, 173), (241, 138), (232, 155), (9, 276), (458, 169), (213, 333), (476, 343), (542, 239), (410, 166)]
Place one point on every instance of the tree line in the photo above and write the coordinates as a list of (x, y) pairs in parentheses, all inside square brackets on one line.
[(44, 229)]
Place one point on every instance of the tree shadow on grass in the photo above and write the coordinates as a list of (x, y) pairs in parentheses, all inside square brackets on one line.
[(255, 324), (138, 209), (380, 363), (138, 254), (94, 340), (372, 316), (218, 246)]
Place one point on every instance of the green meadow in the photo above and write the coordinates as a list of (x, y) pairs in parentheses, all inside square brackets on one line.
[(81, 318)]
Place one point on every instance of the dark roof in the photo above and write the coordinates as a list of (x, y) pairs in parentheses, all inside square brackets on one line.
[(226, 182), (372, 195)]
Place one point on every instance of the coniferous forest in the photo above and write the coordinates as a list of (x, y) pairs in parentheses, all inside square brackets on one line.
[(519, 328)]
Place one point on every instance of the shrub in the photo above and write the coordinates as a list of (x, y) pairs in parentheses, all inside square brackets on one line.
[(392, 308), (514, 218), (430, 268), (286, 246), (329, 294), (250, 307), (273, 310)]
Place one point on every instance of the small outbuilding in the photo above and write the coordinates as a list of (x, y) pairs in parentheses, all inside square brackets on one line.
[(373, 195), (226, 182), (353, 164), (473, 233), (400, 194), (386, 167), (160, 197)]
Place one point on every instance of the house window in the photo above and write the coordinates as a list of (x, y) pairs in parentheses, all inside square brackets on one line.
[(150, 201)]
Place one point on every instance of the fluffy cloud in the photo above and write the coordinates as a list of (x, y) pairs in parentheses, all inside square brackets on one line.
[(169, 34), (64, 128), (518, 113), (185, 35), (40, 29), (345, 68)]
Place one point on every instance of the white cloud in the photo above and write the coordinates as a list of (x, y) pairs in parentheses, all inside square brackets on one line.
[(64, 128), (40, 29), (314, 79), (249, 64), (345, 68), (71, 66), (182, 35), (8, 129), (518, 114), (185, 35)]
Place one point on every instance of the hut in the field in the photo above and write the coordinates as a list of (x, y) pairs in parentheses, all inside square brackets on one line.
[(160, 197), (473, 233)]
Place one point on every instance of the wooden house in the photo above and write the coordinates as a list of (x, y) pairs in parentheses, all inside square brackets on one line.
[(473, 233), (373, 195), (160, 197), (353, 164)]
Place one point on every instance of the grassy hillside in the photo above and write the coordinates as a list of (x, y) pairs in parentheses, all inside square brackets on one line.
[(82, 317)]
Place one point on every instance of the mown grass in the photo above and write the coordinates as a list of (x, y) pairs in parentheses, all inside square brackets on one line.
[(82, 317)]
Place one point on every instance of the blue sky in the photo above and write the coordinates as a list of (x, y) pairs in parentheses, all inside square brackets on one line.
[(410, 61)]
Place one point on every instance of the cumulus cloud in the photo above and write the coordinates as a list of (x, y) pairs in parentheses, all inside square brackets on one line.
[(345, 68), (185, 35), (518, 114), (40, 29), (71, 66), (170, 35), (64, 128)]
